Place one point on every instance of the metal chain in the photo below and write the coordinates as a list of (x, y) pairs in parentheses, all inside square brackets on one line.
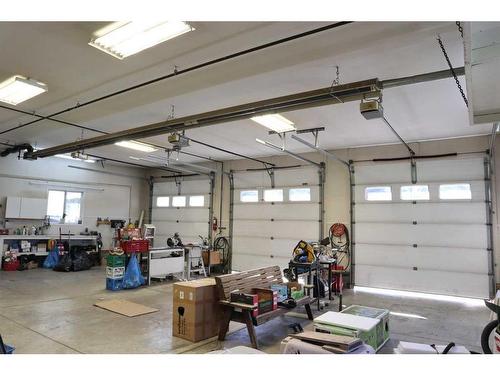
[(441, 45), (460, 28)]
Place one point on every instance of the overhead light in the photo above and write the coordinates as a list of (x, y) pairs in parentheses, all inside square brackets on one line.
[(138, 146), (66, 156), (275, 122), (123, 39), (18, 89)]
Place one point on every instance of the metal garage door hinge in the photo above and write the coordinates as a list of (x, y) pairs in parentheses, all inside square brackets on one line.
[(489, 249), (415, 268), (415, 245), (414, 222)]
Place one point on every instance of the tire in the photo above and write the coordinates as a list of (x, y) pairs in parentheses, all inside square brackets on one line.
[(485, 336)]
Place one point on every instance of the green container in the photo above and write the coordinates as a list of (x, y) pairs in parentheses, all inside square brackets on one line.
[(382, 315), (115, 260)]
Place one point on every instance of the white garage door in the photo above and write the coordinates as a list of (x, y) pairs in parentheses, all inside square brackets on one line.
[(269, 222), (183, 209), (430, 237)]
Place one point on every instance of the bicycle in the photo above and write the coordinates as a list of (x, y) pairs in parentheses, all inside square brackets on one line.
[(489, 341)]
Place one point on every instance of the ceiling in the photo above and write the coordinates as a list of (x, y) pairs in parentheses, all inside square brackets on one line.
[(57, 53)]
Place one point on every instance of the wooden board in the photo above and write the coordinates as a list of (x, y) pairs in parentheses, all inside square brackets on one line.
[(243, 282), (123, 307), (341, 343)]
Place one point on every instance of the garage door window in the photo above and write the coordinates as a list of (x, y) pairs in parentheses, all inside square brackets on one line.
[(414, 192), (249, 196), (196, 201), (299, 195), (455, 191), (273, 195), (162, 201), (378, 193), (179, 201)]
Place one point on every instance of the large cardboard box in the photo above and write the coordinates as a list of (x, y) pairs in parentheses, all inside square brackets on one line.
[(195, 310)]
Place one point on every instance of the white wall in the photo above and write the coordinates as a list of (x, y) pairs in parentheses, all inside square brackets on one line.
[(119, 193)]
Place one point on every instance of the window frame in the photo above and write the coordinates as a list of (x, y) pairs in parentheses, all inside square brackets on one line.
[(250, 201), (196, 196), (300, 200), (179, 196), (273, 201), (413, 198), (63, 217), (456, 184), (378, 200), (163, 196)]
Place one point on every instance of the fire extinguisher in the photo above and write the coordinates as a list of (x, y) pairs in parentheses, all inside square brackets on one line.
[(215, 224)]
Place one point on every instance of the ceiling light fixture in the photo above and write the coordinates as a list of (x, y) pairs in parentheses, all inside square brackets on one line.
[(138, 146), (18, 89), (275, 122), (123, 39)]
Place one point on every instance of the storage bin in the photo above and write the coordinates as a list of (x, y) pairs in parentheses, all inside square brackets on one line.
[(115, 260), (114, 284), (138, 246), (115, 272)]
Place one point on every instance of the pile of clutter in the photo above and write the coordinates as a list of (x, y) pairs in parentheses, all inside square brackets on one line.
[(119, 274)]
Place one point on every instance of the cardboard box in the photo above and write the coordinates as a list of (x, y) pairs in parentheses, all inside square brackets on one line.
[(195, 310), (282, 291), (215, 257)]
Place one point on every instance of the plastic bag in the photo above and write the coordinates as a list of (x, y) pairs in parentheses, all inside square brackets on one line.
[(133, 277), (81, 261), (52, 259), (64, 264)]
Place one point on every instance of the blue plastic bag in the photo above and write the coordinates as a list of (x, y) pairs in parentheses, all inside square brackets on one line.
[(52, 259), (133, 277)]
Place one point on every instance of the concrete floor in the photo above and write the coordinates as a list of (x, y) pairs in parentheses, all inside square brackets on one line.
[(42, 311)]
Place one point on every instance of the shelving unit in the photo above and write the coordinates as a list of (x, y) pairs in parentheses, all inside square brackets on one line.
[(71, 239)]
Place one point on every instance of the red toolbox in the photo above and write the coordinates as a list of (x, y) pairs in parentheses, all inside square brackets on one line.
[(138, 246), (10, 266)]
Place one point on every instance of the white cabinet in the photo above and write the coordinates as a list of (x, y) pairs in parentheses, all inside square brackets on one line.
[(25, 208), (13, 207)]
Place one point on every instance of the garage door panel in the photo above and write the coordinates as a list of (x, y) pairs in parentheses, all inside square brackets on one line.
[(449, 283), (461, 213), (429, 258), (187, 214), (190, 187), (473, 236), (451, 170), (290, 177), (281, 229), (245, 262), (184, 229), (265, 247), (276, 211)]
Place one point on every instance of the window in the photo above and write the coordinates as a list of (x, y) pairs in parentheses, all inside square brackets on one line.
[(179, 201), (299, 195), (455, 191), (64, 207), (197, 201), (414, 192), (162, 201), (378, 193), (273, 195), (249, 196)]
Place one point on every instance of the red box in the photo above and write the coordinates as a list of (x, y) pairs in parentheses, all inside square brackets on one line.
[(138, 246), (10, 266)]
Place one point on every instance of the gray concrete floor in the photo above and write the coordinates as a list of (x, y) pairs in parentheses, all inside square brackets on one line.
[(42, 311)]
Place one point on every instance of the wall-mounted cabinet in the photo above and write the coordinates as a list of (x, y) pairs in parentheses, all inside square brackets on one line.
[(25, 208)]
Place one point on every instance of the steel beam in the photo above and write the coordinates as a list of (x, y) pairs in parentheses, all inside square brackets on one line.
[(328, 95), (293, 155)]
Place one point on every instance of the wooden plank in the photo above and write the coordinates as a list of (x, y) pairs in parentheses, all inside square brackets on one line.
[(344, 343), (238, 305)]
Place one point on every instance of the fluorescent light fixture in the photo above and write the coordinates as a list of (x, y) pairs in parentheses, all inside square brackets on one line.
[(419, 295), (18, 89), (275, 122), (123, 39), (138, 146), (66, 156)]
